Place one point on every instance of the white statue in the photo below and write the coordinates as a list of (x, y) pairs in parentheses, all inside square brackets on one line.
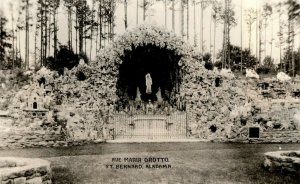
[(138, 95), (158, 95), (148, 83)]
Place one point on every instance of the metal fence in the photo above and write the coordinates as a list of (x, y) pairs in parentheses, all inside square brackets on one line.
[(150, 126)]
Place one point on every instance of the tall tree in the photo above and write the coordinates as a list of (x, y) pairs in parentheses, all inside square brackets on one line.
[(293, 7), (36, 34), (93, 25), (250, 19), (43, 19), (4, 39), (229, 21), (25, 6), (280, 34), (203, 5), (125, 14), (146, 6), (81, 16), (241, 24), (266, 14), (137, 12), (54, 4), (182, 4), (194, 22), (216, 17), (13, 33), (166, 12), (187, 19), (69, 4)]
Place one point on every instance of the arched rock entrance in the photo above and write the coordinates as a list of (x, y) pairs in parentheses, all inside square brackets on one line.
[(123, 66), (160, 63)]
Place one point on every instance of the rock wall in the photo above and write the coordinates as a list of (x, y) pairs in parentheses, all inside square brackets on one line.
[(278, 136), (286, 162), (24, 171)]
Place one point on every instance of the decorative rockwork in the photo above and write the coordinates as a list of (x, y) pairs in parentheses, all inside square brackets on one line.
[(24, 170), (287, 162)]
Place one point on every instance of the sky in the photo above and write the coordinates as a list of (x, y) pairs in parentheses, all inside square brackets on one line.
[(156, 17)]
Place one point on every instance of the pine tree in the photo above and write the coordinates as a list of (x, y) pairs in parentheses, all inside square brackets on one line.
[(4, 39), (250, 19)]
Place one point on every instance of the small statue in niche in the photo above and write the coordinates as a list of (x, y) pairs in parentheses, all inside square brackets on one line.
[(158, 95), (149, 108), (148, 83), (138, 95)]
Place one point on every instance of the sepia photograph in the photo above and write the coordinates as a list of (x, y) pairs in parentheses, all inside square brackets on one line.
[(149, 91)]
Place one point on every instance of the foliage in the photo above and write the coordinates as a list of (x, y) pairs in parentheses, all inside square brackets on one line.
[(208, 63), (228, 15), (65, 59), (286, 64), (21, 78), (4, 39), (11, 64), (235, 58)]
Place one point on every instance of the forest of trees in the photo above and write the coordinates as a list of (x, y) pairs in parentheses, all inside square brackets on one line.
[(91, 26)]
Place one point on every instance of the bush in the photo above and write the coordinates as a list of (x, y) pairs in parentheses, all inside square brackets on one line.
[(268, 66), (65, 59)]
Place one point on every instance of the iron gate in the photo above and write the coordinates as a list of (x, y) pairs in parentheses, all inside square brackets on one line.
[(150, 126)]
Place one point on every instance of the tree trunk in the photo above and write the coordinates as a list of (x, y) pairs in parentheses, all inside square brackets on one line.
[(35, 45), (144, 10), (125, 14), (55, 33), (241, 36), (225, 37), (13, 35), (45, 35), (201, 29), (173, 15), (292, 47), (100, 24), (166, 14), (195, 38), (1, 43), (265, 37), (210, 26), (92, 30), (280, 40), (257, 25), (84, 32), (187, 19), (80, 32), (112, 23), (27, 36), (76, 32), (250, 30), (260, 42), (97, 32), (42, 36), (49, 34), (271, 52), (137, 12), (69, 27), (215, 30), (182, 18)]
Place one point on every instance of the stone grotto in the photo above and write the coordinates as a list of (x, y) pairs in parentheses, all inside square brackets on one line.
[(149, 84)]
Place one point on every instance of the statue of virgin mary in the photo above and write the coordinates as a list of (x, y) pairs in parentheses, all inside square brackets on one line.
[(148, 83)]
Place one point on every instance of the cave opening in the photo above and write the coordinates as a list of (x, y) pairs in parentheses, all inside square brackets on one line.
[(160, 63)]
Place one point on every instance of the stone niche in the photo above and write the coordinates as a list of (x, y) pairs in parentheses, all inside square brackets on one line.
[(35, 104)]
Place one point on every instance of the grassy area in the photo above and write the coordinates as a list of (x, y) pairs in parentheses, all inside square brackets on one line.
[(191, 163)]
